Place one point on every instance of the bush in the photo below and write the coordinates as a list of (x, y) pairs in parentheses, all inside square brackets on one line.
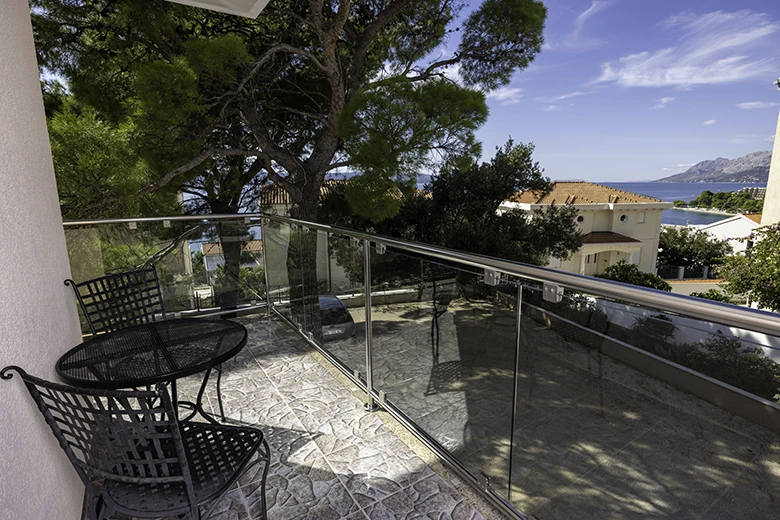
[(727, 360), (713, 294), (629, 273)]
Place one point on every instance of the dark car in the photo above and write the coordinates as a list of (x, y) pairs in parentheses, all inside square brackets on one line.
[(337, 323)]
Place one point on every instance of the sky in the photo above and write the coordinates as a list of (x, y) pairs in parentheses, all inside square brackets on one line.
[(636, 90)]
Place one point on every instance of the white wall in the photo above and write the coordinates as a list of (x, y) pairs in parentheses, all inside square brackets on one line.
[(609, 220), (38, 319), (735, 227), (771, 211)]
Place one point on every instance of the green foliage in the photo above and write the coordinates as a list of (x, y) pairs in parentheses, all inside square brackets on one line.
[(655, 334), (756, 272), (714, 295), (730, 201), (499, 38), (251, 282), (391, 130), (199, 274), (680, 204), (630, 273), (373, 197), (727, 360), (97, 169), (683, 246), (459, 210), (219, 104), (217, 62)]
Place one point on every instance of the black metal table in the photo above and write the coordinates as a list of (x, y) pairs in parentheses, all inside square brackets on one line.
[(160, 351)]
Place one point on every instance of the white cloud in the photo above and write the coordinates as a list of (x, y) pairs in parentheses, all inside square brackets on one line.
[(595, 7), (553, 99), (574, 40), (661, 103), (677, 168), (770, 139), (506, 95), (709, 122), (712, 48), (757, 105), (551, 108)]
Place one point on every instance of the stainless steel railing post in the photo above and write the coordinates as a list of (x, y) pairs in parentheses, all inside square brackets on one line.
[(370, 405), (268, 303)]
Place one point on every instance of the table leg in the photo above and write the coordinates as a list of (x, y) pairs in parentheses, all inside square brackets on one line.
[(197, 406)]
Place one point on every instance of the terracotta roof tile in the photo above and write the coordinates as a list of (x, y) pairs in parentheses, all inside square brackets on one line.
[(606, 237), (275, 195), (250, 246), (581, 192)]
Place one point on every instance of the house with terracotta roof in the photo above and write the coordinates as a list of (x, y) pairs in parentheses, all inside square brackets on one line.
[(616, 225), (251, 254)]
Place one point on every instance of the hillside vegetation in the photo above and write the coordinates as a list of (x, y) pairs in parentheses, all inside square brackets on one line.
[(728, 201)]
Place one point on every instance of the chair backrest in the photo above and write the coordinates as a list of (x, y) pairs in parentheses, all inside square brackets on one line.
[(120, 300), (121, 435)]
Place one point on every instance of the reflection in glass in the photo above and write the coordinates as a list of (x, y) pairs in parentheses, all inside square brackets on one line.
[(601, 431), (444, 348)]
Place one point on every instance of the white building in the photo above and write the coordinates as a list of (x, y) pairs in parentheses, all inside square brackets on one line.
[(616, 225), (738, 226)]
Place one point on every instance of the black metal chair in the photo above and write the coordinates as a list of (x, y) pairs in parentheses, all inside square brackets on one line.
[(120, 300), (134, 456)]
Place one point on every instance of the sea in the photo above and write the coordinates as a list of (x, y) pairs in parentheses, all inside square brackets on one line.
[(669, 192), (687, 191)]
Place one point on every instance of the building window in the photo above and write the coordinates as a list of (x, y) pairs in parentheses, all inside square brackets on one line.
[(580, 219), (640, 217), (624, 218)]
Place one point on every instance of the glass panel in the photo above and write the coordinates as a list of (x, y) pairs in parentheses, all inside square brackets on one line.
[(201, 266), (277, 247), (444, 347), (608, 423), (342, 300)]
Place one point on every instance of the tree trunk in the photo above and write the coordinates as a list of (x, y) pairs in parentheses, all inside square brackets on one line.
[(302, 266)]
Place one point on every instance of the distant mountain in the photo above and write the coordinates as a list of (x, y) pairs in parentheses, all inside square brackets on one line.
[(754, 167)]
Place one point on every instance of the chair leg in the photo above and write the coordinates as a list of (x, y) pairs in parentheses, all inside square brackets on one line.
[(265, 475), (219, 393), (93, 507)]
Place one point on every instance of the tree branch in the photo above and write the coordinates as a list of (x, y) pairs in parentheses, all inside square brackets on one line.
[(194, 163)]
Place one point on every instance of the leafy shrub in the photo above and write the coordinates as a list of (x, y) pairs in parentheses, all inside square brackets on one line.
[(713, 294), (727, 360), (630, 273)]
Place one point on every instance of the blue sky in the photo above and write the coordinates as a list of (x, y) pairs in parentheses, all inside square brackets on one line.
[(634, 90)]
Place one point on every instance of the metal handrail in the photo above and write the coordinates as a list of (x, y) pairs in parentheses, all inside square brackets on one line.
[(725, 314)]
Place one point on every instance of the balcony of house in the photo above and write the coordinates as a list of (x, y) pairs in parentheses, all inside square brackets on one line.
[(531, 392)]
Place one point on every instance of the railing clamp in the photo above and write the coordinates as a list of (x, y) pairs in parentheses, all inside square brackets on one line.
[(484, 481), (491, 277), (552, 293)]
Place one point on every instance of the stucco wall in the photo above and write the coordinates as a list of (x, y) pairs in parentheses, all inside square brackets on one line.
[(771, 211), (37, 316)]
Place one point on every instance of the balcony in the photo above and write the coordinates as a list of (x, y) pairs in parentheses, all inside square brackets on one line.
[(553, 395)]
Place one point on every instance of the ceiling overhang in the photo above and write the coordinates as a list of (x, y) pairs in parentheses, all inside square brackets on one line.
[(247, 8)]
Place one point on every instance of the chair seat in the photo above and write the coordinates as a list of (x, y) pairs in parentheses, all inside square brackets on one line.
[(216, 456)]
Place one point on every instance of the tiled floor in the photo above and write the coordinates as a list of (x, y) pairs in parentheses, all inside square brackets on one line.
[(330, 458), (591, 438)]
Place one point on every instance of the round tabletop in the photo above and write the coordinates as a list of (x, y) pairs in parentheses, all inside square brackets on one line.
[(151, 352)]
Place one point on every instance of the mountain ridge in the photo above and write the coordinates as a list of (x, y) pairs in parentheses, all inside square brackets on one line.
[(753, 167)]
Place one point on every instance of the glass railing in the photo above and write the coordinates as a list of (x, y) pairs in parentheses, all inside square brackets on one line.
[(557, 395), (205, 265)]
